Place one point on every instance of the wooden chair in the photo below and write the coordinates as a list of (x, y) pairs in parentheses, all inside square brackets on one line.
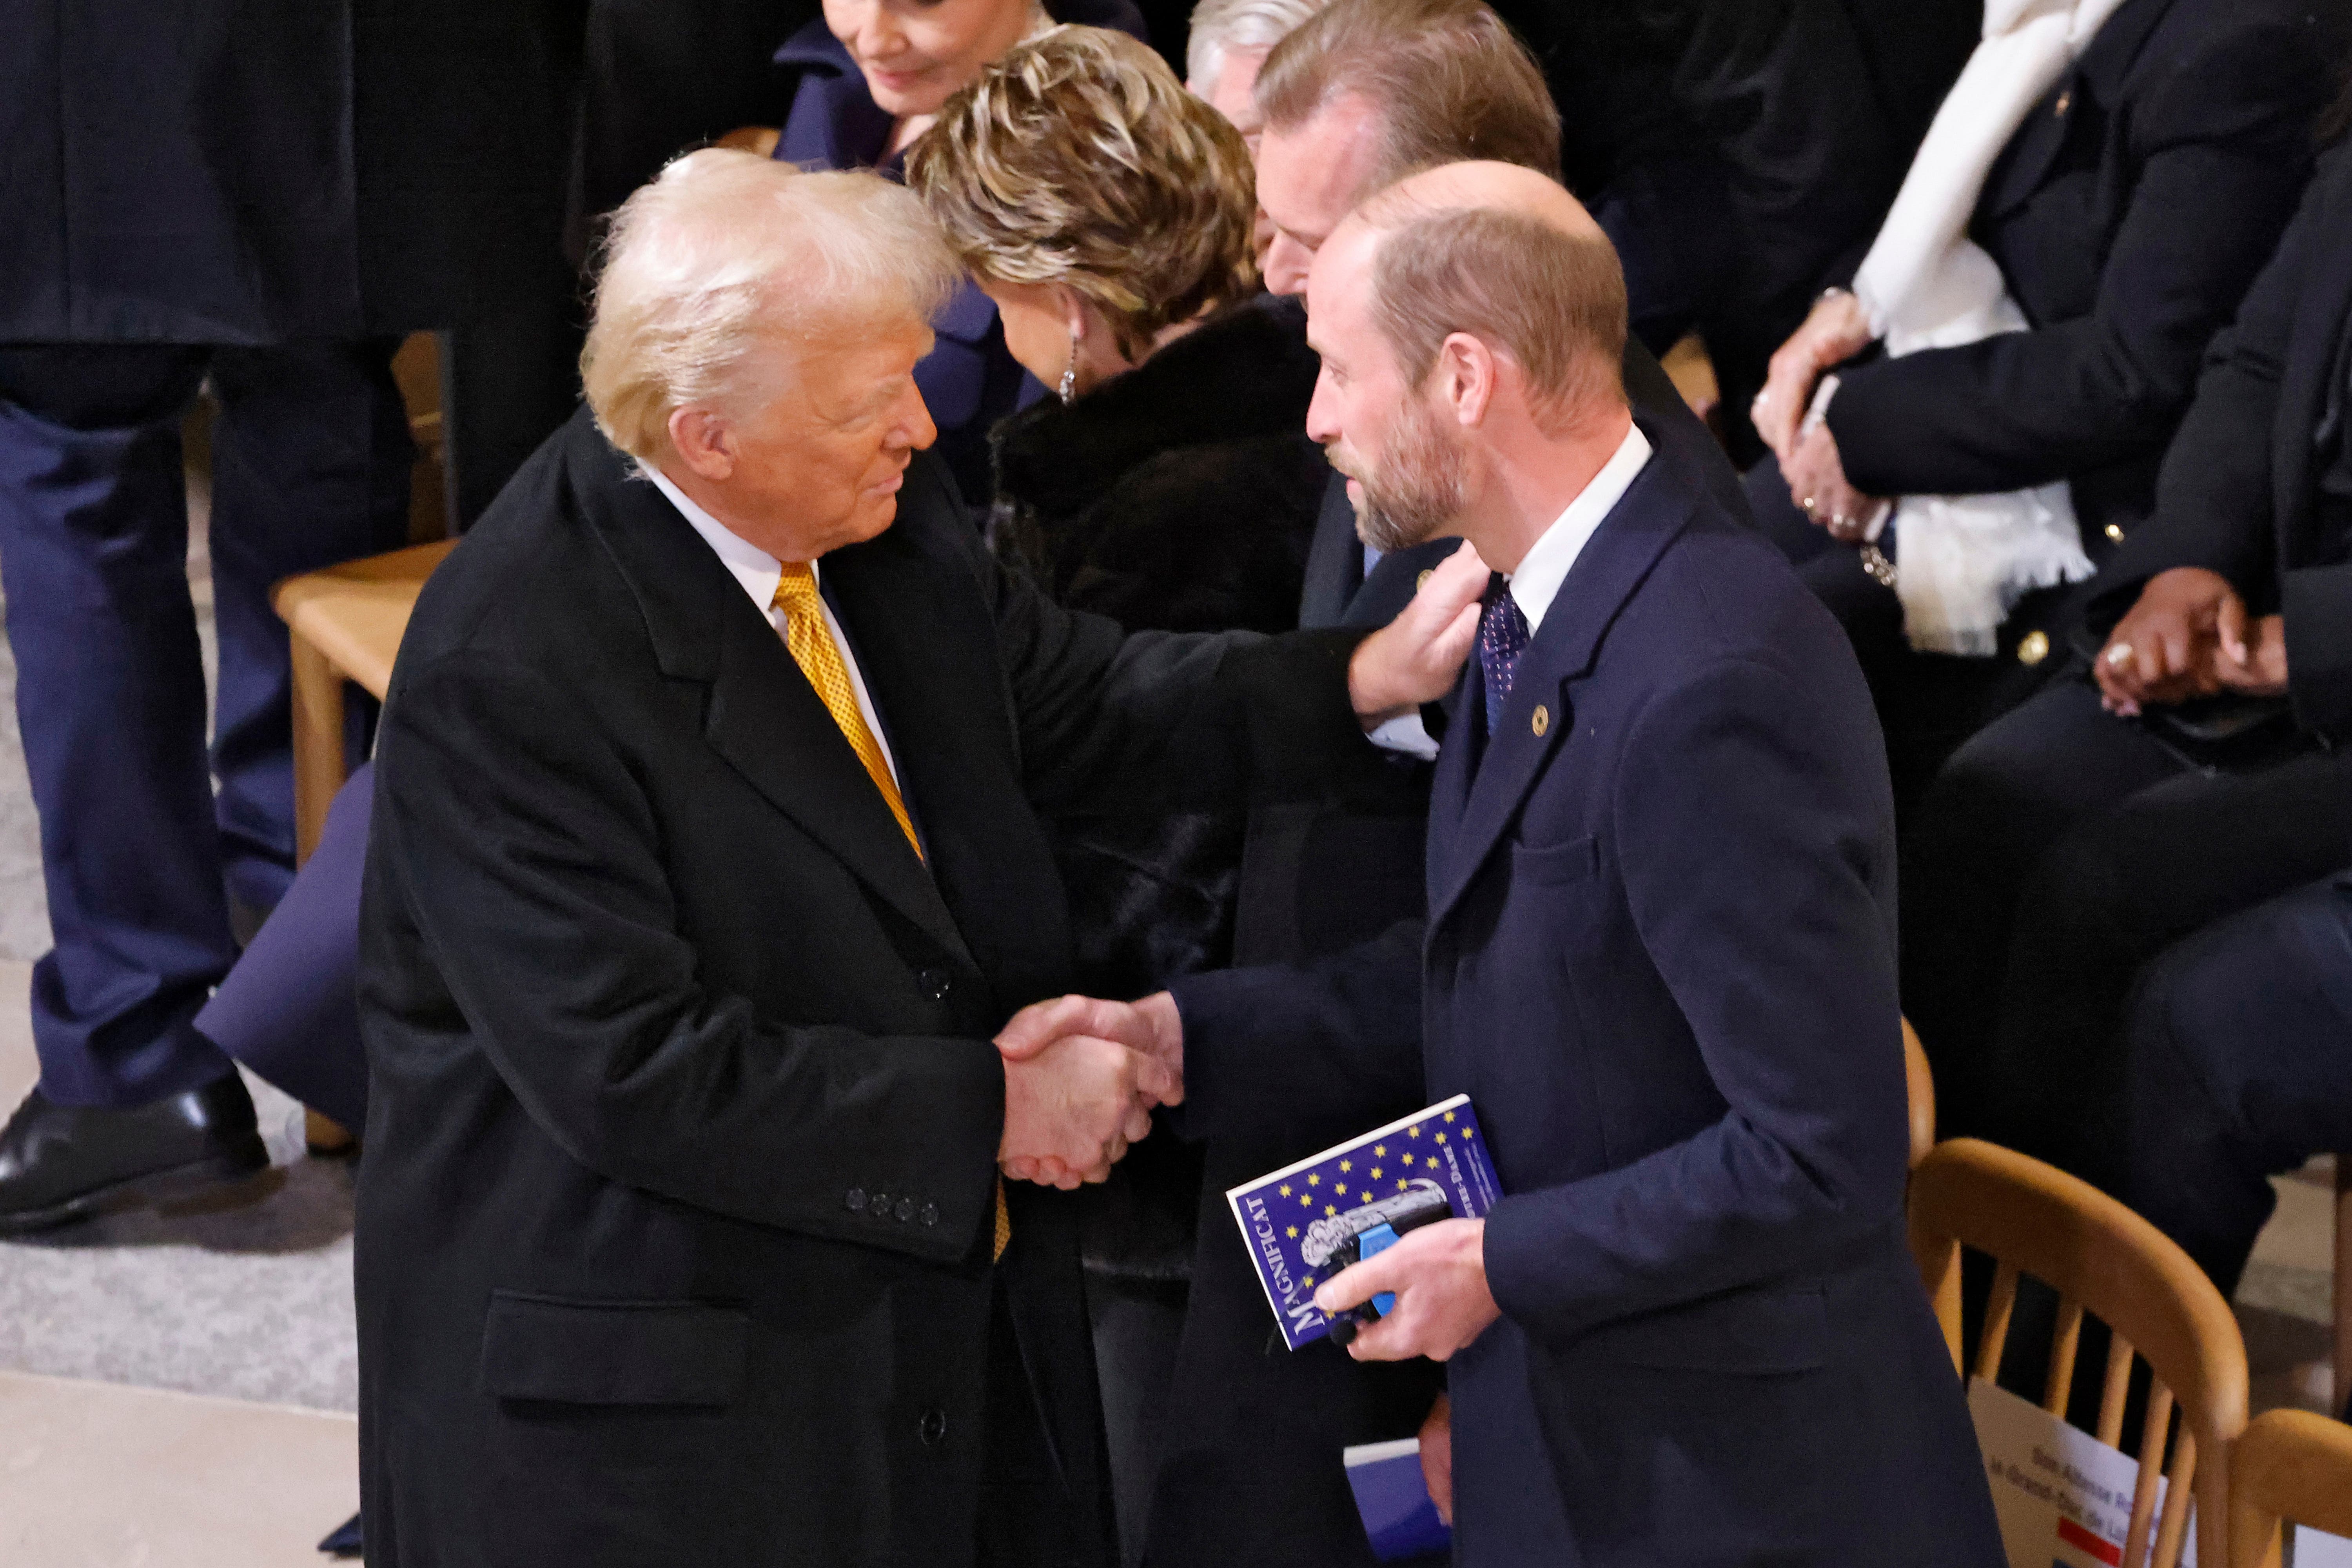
[(2343, 1280), (345, 624), (2290, 1465), (1922, 1085), (2105, 1261)]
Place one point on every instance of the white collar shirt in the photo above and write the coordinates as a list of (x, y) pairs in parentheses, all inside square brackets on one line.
[(1548, 561), (758, 572)]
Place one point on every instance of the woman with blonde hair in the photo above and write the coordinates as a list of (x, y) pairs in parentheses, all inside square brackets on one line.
[(1107, 212)]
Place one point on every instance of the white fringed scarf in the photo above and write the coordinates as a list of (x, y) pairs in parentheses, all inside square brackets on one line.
[(1963, 560)]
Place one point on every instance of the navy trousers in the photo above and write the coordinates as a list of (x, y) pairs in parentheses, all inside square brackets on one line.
[(2060, 851), (2239, 1067), (310, 465)]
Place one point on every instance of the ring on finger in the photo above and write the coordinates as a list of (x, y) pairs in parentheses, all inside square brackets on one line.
[(2119, 655)]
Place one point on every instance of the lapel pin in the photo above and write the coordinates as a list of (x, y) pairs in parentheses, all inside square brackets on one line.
[(1542, 720)]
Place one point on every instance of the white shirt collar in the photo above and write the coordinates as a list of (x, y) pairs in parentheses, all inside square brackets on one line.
[(1546, 564), (753, 568)]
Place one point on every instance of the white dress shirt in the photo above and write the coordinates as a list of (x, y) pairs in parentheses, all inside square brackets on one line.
[(1541, 571), (1547, 562), (758, 572)]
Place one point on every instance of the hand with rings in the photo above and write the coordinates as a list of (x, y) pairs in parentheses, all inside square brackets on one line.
[(1818, 484)]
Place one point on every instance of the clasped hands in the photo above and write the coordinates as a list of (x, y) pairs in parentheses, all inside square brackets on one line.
[(2188, 635), (1081, 1078), (1837, 330)]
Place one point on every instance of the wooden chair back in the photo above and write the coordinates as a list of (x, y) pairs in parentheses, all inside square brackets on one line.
[(2107, 1261), (1922, 1085), (2343, 1280), (2289, 1465)]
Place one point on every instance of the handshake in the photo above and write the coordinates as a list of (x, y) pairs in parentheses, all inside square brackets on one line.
[(1081, 1076)]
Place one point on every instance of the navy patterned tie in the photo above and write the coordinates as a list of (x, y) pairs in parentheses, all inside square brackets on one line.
[(1502, 638)]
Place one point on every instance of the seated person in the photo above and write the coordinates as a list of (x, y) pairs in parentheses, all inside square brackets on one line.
[(2239, 1069), (2090, 205), (2047, 862), (1107, 213), (867, 79)]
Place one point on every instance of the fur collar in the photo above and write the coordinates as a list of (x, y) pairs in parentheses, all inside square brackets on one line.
[(1245, 372)]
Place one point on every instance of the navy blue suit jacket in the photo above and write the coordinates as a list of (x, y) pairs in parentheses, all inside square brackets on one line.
[(1660, 958)]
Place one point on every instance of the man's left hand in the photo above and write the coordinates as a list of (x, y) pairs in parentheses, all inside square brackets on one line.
[(2254, 657), (1439, 1275)]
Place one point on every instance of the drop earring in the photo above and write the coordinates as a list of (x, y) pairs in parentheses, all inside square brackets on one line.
[(1069, 386)]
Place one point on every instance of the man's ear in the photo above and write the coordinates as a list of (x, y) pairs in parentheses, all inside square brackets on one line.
[(1467, 374), (704, 441)]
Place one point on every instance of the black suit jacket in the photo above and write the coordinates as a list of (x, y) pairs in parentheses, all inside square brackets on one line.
[(674, 1234), (2128, 215), (1660, 958), (2240, 493)]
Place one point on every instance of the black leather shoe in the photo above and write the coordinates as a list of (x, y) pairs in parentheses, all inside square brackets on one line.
[(61, 1163)]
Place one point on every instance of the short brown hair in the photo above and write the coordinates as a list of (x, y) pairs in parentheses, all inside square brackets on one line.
[(1449, 79), (1079, 158), (1552, 300)]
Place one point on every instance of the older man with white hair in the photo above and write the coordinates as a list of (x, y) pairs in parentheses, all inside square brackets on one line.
[(707, 863)]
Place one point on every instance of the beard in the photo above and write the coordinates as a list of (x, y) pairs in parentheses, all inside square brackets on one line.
[(1418, 488)]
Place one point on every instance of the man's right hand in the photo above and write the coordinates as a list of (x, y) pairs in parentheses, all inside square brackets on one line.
[(2165, 650), (1081, 1077)]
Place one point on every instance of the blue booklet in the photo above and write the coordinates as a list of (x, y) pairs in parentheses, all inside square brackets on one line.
[(1308, 1221), (1400, 1518)]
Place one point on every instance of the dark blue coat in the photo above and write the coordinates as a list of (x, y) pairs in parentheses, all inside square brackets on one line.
[(1660, 958), (253, 171), (969, 379)]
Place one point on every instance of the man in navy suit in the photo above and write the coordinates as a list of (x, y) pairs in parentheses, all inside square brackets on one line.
[(1660, 955)]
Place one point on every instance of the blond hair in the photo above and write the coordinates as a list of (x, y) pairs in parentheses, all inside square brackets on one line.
[(1225, 27), (1551, 300), (726, 257), (1448, 79), (1079, 158)]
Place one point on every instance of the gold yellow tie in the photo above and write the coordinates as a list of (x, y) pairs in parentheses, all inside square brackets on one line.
[(813, 649)]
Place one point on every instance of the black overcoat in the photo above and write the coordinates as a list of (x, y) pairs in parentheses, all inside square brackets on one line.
[(674, 1231)]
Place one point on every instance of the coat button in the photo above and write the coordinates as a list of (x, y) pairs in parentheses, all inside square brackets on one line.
[(2114, 532), (2034, 648), (855, 1200), (934, 1427), (906, 1209), (2066, 102), (931, 1213), (936, 983), (1542, 720)]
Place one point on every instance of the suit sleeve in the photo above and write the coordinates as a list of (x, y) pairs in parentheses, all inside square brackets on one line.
[(1755, 903), (2224, 151), (1337, 1036), (2214, 497), (527, 858)]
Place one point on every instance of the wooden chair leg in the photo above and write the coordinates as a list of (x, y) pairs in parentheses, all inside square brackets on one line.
[(2343, 1282), (323, 1134), (320, 765)]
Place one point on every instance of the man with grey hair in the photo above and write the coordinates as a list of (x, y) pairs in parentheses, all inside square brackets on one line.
[(707, 866), (1228, 43)]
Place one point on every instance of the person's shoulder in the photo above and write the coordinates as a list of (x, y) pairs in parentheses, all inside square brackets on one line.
[(2274, 53), (528, 580)]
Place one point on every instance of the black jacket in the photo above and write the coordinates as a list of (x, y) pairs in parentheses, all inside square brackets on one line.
[(1181, 494), (2243, 490), (254, 171), (673, 1239), (2128, 215)]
